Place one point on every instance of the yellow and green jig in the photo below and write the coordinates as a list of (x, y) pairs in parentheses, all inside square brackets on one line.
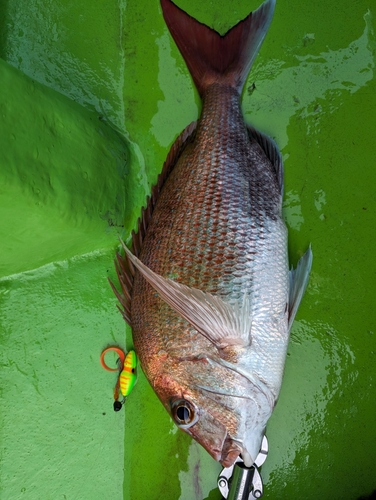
[(127, 367)]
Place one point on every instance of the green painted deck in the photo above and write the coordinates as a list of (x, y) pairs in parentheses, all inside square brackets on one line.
[(92, 96)]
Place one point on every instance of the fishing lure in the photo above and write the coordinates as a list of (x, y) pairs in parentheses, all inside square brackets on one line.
[(127, 367)]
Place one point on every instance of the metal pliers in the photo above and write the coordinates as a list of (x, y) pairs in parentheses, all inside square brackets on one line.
[(239, 482)]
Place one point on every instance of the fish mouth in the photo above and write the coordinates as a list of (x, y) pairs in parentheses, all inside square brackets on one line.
[(223, 449), (213, 435), (230, 452)]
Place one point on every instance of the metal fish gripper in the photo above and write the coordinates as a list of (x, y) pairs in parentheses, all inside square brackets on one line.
[(239, 482)]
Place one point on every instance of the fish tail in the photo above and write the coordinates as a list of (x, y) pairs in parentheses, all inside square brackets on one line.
[(211, 57)]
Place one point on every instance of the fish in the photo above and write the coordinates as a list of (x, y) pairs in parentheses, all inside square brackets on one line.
[(206, 285)]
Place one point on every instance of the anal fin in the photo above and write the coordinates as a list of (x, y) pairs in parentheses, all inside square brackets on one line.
[(271, 150)]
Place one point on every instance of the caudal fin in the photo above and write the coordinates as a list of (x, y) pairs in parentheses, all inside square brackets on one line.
[(211, 57)]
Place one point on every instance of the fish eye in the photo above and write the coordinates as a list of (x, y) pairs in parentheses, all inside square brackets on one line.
[(184, 413)]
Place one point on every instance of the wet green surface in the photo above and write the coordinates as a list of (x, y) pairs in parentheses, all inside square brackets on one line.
[(316, 95)]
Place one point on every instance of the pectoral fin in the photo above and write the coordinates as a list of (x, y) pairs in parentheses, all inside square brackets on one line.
[(298, 283), (221, 323)]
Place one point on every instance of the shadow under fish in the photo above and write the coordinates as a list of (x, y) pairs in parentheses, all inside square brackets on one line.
[(206, 286)]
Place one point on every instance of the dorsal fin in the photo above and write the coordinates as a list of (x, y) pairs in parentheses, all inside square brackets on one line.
[(271, 150), (124, 267)]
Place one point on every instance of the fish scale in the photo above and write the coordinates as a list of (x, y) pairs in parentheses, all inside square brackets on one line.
[(208, 292), (216, 217), (209, 231)]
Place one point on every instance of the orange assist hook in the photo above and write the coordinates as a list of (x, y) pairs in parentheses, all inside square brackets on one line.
[(127, 365), (119, 352)]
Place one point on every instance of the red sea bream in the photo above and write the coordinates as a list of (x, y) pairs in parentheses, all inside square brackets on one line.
[(206, 287)]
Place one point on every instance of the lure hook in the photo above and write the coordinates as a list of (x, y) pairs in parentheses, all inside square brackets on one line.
[(127, 368)]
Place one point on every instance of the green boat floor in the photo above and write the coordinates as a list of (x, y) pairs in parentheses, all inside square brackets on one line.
[(61, 178), (93, 95)]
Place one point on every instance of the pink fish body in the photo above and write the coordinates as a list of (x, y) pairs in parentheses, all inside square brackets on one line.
[(206, 287)]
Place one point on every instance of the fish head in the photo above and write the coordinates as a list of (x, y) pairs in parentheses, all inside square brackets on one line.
[(207, 423), (225, 417), (210, 431)]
